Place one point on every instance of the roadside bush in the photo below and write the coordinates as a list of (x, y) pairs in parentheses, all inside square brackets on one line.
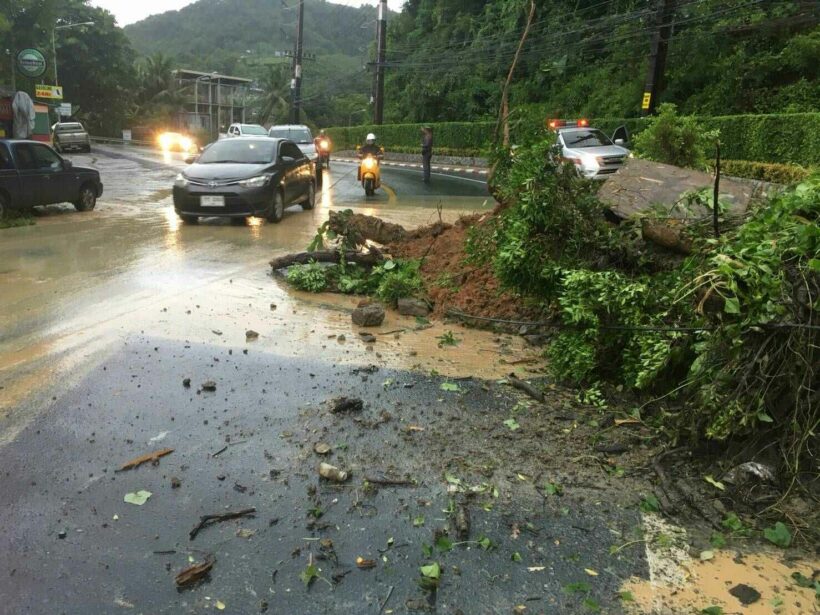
[(785, 174), (674, 139), (397, 279), (311, 277)]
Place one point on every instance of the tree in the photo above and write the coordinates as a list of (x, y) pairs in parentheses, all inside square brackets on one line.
[(272, 104)]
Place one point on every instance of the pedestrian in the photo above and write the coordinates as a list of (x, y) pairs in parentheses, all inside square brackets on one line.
[(426, 151)]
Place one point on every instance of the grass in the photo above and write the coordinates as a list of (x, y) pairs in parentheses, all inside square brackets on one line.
[(10, 222)]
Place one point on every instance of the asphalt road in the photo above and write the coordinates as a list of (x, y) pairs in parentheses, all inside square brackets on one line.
[(103, 315)]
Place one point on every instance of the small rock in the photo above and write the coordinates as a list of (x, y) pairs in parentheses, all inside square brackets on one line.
[(175, 483), (370, 315), (413, 307), (186, 382), (273, 306), (321, 448), (239, 488), (745, 593), (339, 405), (367, 338), (341, 338), (251, 335), (62, 534), (209, 385)]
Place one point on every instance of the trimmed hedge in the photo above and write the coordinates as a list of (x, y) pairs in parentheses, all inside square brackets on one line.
[(765, 171), (779, 138)]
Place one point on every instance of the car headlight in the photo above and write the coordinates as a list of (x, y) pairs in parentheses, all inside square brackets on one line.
[(255, 182), (181, 181), (186, 144), (166, 141)]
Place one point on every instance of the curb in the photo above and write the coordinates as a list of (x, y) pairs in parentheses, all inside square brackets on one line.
[(411, 165)]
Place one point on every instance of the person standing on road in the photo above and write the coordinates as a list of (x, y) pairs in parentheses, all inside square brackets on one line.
[(426, 151)]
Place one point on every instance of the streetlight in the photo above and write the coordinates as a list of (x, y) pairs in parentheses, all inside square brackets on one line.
[(54, 46)]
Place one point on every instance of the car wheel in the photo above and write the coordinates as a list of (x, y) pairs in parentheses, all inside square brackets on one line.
[(188, 219), (87, 200), (277, 208), (310, 201)]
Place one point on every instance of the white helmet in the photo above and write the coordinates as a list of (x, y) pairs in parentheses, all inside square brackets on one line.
[(371, 138)]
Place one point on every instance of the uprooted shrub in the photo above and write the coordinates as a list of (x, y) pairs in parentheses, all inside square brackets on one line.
[(675, 139), (727, 337)]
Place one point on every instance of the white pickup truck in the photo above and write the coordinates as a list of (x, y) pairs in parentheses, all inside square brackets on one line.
[(594, 155)]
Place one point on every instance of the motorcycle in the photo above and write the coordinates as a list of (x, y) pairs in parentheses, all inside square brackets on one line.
[(323, 149), (370, 173)]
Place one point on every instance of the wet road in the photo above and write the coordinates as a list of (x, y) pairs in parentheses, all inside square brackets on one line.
[(103, 314)]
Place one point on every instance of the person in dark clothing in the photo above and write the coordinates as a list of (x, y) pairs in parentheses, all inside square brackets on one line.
[(426, 151), (369, 149)]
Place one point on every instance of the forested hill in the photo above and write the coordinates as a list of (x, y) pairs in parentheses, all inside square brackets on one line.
[(449, 58), (213, 34)]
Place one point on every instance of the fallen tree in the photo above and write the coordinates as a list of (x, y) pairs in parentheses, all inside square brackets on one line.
[(369, 259)]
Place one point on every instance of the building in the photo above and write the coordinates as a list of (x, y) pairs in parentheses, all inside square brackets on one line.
[(212, 102)]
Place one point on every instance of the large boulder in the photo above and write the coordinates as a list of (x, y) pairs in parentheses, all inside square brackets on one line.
[(413, 307), (368, 315)]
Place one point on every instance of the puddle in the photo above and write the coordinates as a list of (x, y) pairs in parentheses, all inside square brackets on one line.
[(681, 584)]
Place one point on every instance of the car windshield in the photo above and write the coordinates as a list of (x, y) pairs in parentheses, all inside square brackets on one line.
[(585, 138), (239, 151), (69, 127), (254, 129), (299, 135)]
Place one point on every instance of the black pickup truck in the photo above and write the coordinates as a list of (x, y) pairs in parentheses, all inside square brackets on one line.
[(32, 173)]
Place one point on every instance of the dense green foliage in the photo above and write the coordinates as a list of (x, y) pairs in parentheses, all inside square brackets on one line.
[(683, 141), (719, 336), (589, 58), (764, 171), (790, 138), (95, 63)]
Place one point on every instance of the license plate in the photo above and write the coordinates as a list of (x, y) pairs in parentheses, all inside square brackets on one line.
[(212, 201)]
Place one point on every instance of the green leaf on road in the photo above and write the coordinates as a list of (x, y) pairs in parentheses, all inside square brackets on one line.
[(591, 605), (712, 610), (715, 483), (732, 305), (516, 557), (626, 596), (418, 521), (512, 424), (443, 544), (649, 503), (138, 499), (581, 587), (485, 543), (431, 571), (778, 535), (309, 574), (553, 489), (450, 386)]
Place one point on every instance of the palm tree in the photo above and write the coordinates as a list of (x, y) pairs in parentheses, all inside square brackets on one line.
[(272, 102)]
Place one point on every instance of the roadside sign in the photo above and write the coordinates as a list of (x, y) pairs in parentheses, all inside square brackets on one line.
[(53, 92), (31, 63), (64, 109), (126, 134), (647, 98)]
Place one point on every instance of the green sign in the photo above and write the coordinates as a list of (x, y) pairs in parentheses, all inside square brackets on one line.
[(31, 63)]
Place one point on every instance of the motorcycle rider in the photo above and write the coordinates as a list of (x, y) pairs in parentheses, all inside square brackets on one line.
[(426, 151), (369, 149), (317, 141)]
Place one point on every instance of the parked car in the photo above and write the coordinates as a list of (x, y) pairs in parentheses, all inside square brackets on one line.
[(594, 155), (32, 173), (236, 178), (70, 135), (246, 130)]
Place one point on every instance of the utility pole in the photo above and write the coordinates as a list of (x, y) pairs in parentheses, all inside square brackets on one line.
[(657, 58), (296, 82), (381, 56)]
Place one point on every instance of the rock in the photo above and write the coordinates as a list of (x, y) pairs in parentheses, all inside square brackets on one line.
[(62, 534), (369, 315), (186, 382), (250, 335), (346, 404), (367, 338), (321, 448), (175, 483), (209, 385), (341, 338), (413, 307), (745, 593)]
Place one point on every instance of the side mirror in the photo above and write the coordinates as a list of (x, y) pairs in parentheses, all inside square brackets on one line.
[(619, 141), (191, 158), (288, 159), (67, 165)]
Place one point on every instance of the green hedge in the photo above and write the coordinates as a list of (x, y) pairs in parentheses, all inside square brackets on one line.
[(765, 171), (780, 138)]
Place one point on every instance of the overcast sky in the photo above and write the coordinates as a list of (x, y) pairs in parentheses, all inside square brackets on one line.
[(129, 11)]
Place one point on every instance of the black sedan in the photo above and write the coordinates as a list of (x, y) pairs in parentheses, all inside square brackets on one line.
[(32, 173), (236, 178)]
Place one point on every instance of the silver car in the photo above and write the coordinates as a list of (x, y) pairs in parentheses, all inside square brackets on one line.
[(70, 135), (594, 154), (299, 134)]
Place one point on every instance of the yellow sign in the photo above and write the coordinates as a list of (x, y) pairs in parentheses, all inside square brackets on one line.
[(53, 92), (647, 98)]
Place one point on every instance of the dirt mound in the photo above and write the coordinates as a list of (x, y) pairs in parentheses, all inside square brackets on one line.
[(453, 283)]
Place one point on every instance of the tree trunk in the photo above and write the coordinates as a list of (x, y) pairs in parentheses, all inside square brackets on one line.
[(372, 258)]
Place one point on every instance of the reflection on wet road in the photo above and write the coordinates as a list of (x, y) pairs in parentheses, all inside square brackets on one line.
[(73, 283)]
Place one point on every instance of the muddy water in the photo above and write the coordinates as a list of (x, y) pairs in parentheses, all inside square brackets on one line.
[(77, 285)]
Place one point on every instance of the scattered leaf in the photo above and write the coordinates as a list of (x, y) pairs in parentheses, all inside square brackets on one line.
[(715, 483), (712, 610), (553, 489), (626, 596), (194, 573), (649, 503), (418, 521), (535, 568), (732, 522), (591, 572), (718, 540), (516, 557), (431, 571), (220, 605), (414, 428), (581, 587), (778, 535), (707, 555), (427, 550), (309, 574), (321, 448), (512, 424), (443, 543), (485, 543), (449, 386), (152, 457), (365, 564), (802, 580), (138, 499), (591, 605)]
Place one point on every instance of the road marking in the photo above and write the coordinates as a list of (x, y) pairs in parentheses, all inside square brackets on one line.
[(391, 194)]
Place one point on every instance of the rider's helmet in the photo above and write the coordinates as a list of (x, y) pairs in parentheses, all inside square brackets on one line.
[(371, 139)]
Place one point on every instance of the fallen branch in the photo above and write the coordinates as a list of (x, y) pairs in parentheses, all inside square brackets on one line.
[(370, 259), (383, 480), (358, 229), (526, 387), (207, 520), (152, 457)]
